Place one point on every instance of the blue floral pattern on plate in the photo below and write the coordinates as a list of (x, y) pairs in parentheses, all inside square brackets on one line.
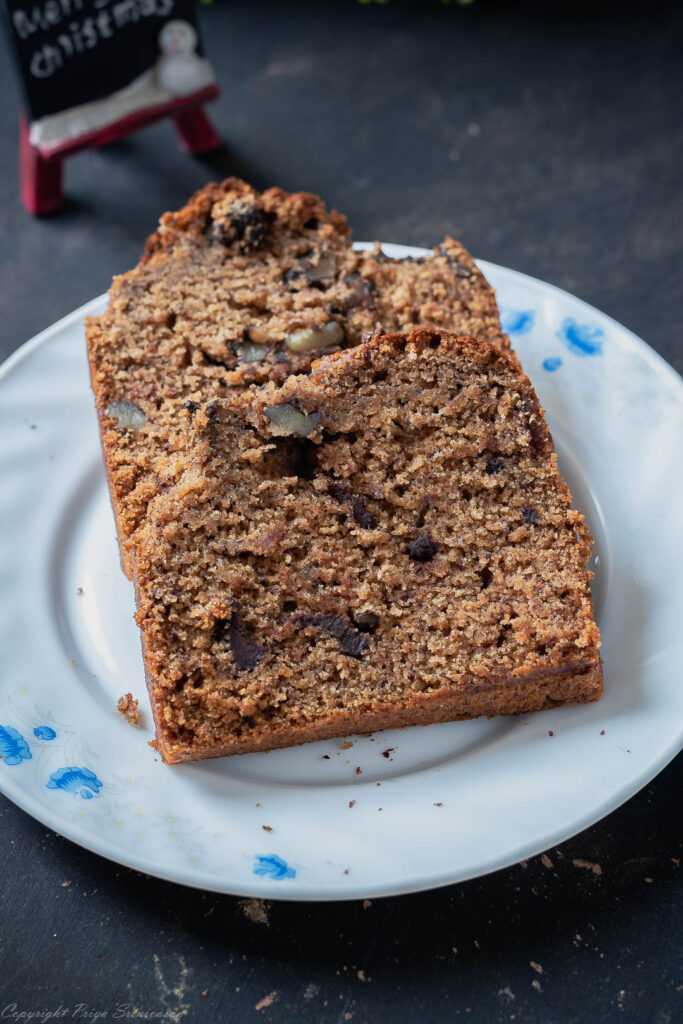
[(13, 747), (44, 732), (81, 782), (552, 363), (581, 339), (273, 866), (517, 321)]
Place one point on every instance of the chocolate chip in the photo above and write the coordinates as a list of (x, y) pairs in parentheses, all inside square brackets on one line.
[(458, 268), (292, 275), (359, 505), (422, 549), (494, 465), (530, 515), (367, 621), (311, 224), (191, 407), (339, 493), (350, 641), (486, 577), (246, 224), (246, 652), (221, 233)]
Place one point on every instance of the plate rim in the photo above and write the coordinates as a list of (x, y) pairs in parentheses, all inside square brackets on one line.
[(198, 878)]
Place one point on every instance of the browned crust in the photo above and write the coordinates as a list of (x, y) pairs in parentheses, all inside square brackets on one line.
[(580, 683), (479, 350), (191, 218), (126, 552)]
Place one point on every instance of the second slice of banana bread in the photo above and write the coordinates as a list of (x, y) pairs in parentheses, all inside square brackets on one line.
[(240, 287)]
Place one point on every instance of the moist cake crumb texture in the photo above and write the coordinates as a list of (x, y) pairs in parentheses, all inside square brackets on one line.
[(241, 287), (385, 541), (128, 707)]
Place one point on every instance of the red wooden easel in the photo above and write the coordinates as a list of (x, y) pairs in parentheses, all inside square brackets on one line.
[(40, 168)]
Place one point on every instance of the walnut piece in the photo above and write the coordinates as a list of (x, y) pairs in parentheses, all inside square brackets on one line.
[(248, 352), (290, 420), (258, 334), (128, 415), (306, 338)]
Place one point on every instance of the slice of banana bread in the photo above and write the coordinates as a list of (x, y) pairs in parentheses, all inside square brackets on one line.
[(241, 287), (384, 542)]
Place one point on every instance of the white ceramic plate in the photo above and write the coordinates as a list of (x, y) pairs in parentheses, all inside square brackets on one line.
[(393, 813)]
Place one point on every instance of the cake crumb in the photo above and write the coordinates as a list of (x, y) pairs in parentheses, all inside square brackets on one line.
[(346, 745), (79, 591), (256, 911), (546, 861), (367, 904), (388, 752), (266, 1001), (361, 975), (205, 992), (438, 804), (536, 967), (128, 707), (588, 865), (267, 828), (352, 803), (359, 771)]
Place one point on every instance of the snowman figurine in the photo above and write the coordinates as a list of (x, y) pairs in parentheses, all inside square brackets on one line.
[(179, 69)]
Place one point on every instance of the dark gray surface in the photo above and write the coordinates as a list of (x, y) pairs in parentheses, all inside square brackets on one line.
[(549, 140)]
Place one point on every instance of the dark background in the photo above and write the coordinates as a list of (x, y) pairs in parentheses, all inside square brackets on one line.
[(548, 137)]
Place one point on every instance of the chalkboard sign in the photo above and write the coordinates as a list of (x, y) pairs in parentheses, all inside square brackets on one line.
[(86, 64)]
